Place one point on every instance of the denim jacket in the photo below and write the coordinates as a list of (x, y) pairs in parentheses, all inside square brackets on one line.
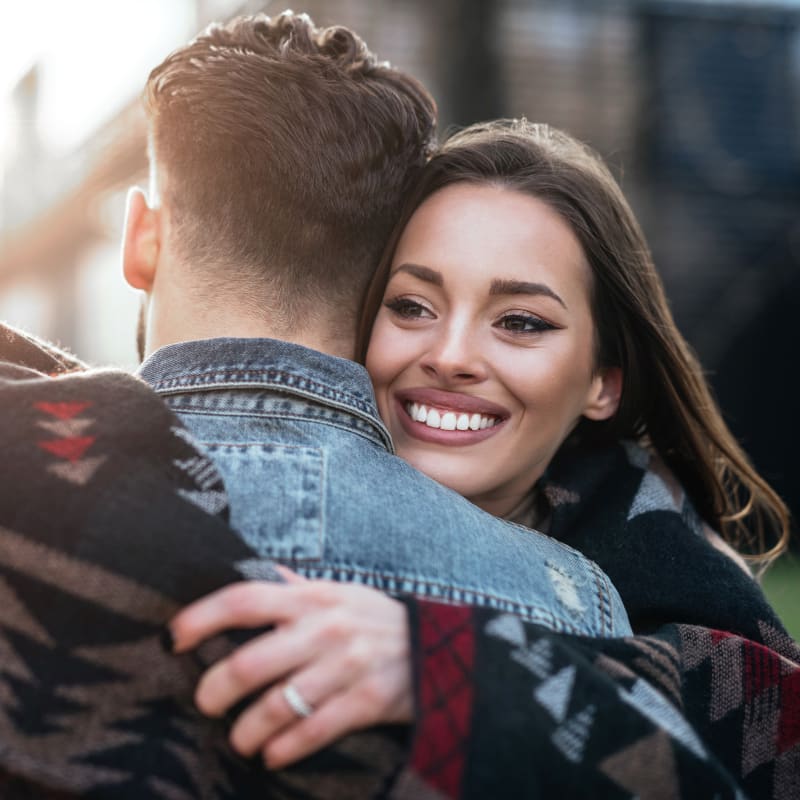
[(313, 483)]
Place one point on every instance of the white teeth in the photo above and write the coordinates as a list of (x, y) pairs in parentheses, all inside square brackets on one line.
[(434, 419), (449, 420)]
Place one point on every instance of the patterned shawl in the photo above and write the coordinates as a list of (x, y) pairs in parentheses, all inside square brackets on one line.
[(110, 520), (517, 711)]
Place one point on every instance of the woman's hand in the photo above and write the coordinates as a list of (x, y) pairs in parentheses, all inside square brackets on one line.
[(343, 647)]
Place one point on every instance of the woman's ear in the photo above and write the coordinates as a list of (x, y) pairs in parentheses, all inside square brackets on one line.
[(605, 394), (141, 243)]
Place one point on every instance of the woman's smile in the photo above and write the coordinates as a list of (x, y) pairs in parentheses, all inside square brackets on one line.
[(448, 418)]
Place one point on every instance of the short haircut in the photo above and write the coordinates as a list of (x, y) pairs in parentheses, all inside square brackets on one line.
[(283, 153)]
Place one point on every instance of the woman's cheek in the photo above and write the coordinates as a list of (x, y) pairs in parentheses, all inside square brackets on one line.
[(380, 364), (376, 364), (387, 353)]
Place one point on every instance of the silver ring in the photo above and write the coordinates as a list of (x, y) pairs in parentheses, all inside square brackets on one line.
[(296, 701)]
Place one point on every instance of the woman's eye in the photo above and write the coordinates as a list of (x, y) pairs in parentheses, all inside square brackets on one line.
[(524, 323), (406, 308)]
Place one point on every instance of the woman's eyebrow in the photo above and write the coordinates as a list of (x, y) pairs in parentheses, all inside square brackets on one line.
[(423, 273), (524, 287)]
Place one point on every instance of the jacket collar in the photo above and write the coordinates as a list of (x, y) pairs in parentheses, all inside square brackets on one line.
[(232, 363)]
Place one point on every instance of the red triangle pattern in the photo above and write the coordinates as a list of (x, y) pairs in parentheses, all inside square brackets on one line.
[(71, 448), (62, 410)]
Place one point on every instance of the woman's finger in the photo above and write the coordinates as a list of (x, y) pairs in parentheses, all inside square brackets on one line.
[(360, 695), (258, 663), (339, 715), (272, 712), (241, 605)]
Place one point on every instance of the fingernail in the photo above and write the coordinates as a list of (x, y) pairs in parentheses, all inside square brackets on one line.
[(167, 640)]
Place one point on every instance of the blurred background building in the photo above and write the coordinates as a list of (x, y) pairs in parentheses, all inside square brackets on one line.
[(695, 104)]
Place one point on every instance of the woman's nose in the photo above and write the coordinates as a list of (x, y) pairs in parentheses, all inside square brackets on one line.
[(456, 357)]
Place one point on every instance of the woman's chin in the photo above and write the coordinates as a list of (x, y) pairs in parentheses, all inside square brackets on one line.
[(460, 476)]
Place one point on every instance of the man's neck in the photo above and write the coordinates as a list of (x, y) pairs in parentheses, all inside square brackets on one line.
[(223, 319), (329, 346)]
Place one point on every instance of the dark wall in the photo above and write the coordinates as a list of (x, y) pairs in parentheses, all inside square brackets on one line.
[(721, 154)]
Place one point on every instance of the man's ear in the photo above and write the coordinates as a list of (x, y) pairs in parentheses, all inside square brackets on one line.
[(605, 394), (141, 243)]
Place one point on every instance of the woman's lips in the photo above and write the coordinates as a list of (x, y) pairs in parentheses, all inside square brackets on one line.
[(448, 418), (452, 401)]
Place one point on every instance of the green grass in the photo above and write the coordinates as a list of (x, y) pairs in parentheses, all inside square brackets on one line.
[(782, 587)]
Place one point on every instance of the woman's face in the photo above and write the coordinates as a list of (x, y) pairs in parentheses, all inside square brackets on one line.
[(482, 352)]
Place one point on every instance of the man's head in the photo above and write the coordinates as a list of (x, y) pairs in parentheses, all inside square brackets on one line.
[(279, 153)]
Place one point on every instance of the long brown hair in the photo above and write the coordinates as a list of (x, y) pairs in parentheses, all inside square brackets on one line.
[(666, 400)]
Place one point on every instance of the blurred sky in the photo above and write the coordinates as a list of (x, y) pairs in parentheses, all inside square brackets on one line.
[(97, 44)]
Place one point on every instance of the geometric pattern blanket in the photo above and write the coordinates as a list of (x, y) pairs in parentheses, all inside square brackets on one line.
[(517, 711), (509, 709), (111, 520)]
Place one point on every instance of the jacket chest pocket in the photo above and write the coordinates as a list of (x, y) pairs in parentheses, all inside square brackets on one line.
[(276, 495)]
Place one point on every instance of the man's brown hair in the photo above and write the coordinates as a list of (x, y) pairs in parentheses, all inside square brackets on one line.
[(283, 152)]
